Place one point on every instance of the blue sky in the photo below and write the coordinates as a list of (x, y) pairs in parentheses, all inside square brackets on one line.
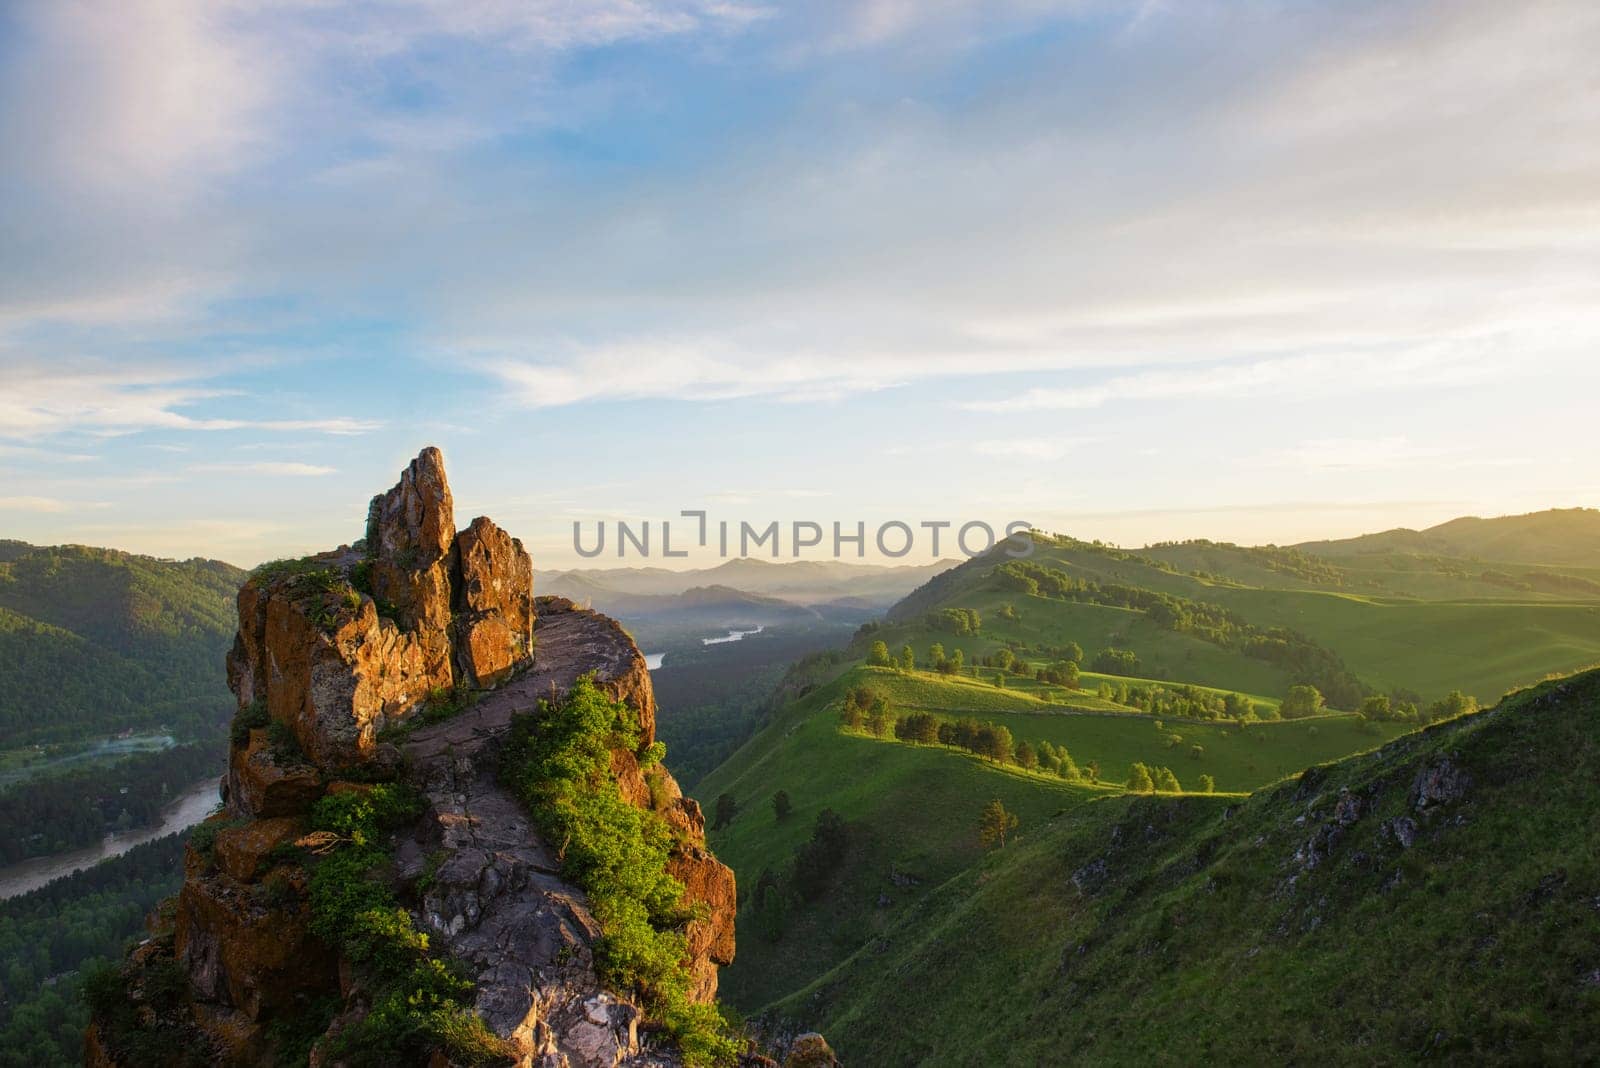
[(1262, 271)]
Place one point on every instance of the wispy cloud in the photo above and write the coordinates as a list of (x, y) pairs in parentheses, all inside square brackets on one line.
[(1310, 375), (275, 468), (1391, 452), (1038, 448), (110, 398), (50, 505)]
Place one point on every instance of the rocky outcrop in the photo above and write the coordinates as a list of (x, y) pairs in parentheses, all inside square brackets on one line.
[(332, 653), (495, 601)]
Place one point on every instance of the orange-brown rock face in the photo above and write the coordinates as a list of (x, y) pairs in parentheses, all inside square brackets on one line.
[(494, 621), (242, 948), (411, 536), (333, 649)]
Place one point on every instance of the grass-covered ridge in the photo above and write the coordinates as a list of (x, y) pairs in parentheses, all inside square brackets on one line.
[(1192, 612), (911, 810), (558, 760), (1437, 899)]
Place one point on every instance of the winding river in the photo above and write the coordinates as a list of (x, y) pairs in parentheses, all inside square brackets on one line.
[(191, 806)]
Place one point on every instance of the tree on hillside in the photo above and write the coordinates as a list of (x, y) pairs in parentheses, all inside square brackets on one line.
[(1197, 751), (727, 809), (1208, 785), (1000, 680), (1026, 757), (1301, 701), (851, 714), (1003, 659), (1454, 704), (1092, 769), (1376, 707), (957, 658), (879, 656), (1072, 651), (781, 806), (816, 860), (936, 655), (908, 658), (994, 742), (919, 727), (1165, 781), (995, 824), (1139, 780), (879, 720), (1237, 706)]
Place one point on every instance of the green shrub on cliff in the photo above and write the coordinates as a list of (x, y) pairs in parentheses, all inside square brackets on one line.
[(558, 760), (418, 1002)]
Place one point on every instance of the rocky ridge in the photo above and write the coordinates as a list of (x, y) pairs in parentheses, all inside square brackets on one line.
[(339, 665)]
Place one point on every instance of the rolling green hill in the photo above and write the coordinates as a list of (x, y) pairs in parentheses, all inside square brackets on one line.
[(1195, 635), (912, 810), (1562, 536), (1435, 899), (1260, 620)]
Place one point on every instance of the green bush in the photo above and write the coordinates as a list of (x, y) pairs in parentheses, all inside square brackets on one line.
[(558, 760), (418, 1002), (251, 717)]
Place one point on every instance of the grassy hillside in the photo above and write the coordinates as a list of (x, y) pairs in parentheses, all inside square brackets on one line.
[(912, 810), (1345, 641), (1563, 536), (1432, 900), (911, 813)]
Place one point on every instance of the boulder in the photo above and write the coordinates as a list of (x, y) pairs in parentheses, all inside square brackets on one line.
[(242, 852), (810, 1050), (259, 786)]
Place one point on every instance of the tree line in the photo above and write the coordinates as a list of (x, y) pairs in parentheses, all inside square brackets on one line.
[(1294, 652)]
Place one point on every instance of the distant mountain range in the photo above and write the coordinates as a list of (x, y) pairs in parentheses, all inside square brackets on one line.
[(1568, 537), (797, 582)]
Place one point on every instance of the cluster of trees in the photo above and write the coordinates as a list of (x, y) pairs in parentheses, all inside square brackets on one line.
[(1184, 702), (866, 709), (810, 873), (1144, 779), (1285, 561), (1294, 652), (992, 741), (958, 621), (1116, 662), (52, 936), (1382, 708), (1063, 672), (950, 664)]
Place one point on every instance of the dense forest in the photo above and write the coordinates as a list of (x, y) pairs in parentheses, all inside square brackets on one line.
[(94, 641), (714, 697), (49, 938), (78, 807)]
